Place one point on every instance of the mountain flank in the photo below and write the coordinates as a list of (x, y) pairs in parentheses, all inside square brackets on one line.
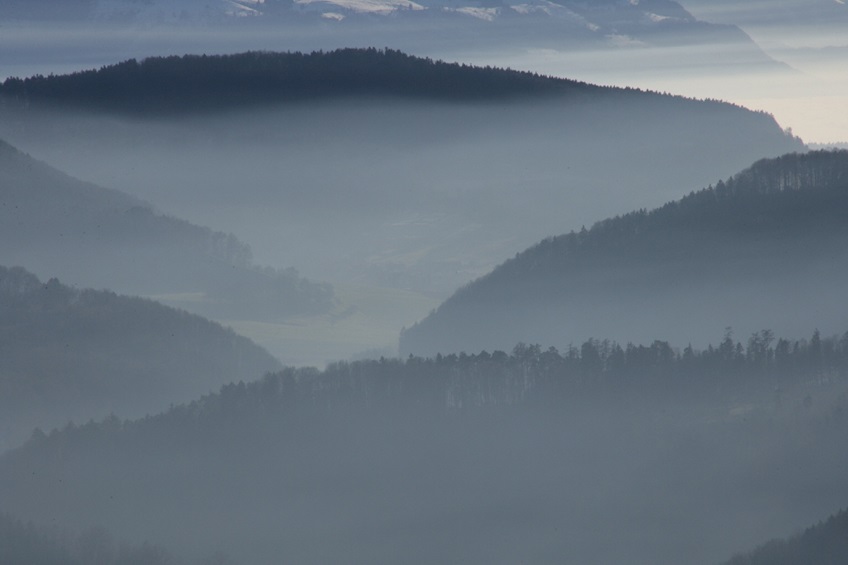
[(58, 226), (386, 457), (765, 247)]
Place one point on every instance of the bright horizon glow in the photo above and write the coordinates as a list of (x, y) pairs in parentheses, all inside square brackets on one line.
[(810, 98)]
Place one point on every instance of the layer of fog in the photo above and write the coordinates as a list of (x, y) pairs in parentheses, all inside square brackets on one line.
[(593, 481), (808, 96), (418, 196), (662, 483), (239, 173)]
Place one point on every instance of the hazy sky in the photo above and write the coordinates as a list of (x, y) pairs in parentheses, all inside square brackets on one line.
[(810, 98)]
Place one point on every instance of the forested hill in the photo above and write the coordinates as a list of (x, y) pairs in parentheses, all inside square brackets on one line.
[(375, 458), (58, 226), (24, 543), (765, 248), (825, 543), (200, 82), (68, 354), (194, 82)]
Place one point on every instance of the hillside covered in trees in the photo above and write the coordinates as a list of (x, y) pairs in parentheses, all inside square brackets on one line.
[(27, 544), (87, 235), (200, 82), (825, 543), (75, 355), (765, 248), (494, 457)]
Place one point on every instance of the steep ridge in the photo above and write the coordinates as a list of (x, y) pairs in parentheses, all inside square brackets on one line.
[(766, 248)]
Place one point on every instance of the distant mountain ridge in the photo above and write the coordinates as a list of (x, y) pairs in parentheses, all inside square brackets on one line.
[(609, 21), (787, 12), (767, 247), (196, 82), (192, 83)]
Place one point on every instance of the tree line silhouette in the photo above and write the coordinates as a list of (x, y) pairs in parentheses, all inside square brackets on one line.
[(212, 81)]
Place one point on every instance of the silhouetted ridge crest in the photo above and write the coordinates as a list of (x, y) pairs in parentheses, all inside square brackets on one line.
[(731, 204), (209, 81), (527, 376)]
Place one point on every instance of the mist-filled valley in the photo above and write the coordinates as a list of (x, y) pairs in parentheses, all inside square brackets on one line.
[(271, 292), (393, 184)]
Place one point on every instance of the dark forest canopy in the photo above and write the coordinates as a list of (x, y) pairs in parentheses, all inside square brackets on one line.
[(85, 234), (381, 459), (209, 82), (825, 543), (374, 458), (24, 543), (527, 376), (784, 196), (779, 226), (179, 83), (69, 354)]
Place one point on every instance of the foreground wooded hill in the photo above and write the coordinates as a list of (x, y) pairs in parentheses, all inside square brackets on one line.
[(765, 248), (87, 235), (536, 454), (75, 355), (27, 544)]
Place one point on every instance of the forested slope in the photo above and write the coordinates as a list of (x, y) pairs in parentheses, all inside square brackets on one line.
[(27, 544), (534, 455), (69, 354), (825, 543), (200, 82), (190, 84), (87, 235), (766, 248)]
